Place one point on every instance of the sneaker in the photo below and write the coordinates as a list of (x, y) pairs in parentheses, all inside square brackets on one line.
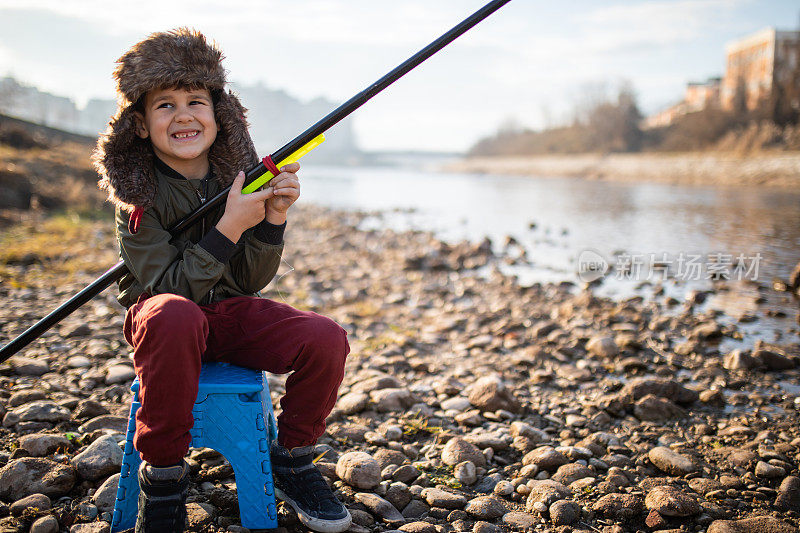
[(299, 483), (162, 498)]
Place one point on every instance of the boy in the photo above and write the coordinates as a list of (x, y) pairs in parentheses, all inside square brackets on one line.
[(177, 139)]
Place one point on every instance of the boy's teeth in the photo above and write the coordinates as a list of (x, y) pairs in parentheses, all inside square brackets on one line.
[(183, 135)]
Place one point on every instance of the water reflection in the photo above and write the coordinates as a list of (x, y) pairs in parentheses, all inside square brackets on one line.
[(556, 218)]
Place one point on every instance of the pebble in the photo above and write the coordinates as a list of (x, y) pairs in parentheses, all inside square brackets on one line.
[(359, 469), (444, 499), (465, 473), (486, 507), (788, 498), (671, 462), (619, 506), (491, 393), (671, 501), (564, 512), (458, 450), (45, 524), (38, 502), (769, 471), (520, 521), (379, 507), (106, 495)]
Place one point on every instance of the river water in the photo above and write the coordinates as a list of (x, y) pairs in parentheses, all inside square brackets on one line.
[(744, 237)]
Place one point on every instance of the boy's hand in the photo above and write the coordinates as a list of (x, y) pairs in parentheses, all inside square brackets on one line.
[(286, 190), (242, 211)]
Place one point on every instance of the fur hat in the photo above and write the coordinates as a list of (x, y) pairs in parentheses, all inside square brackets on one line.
[(178, 58)]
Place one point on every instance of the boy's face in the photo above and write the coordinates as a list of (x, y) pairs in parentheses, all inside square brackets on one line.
[(181, 125)]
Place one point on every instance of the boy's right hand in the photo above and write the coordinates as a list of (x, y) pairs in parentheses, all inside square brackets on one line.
[(242, 211)]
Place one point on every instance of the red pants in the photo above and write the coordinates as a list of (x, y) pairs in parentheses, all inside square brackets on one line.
[(170, 335)]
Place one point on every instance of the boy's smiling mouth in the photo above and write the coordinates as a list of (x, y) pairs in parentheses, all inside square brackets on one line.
[(185, 134)]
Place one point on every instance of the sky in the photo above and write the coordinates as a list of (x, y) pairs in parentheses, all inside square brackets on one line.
[(529, 64)]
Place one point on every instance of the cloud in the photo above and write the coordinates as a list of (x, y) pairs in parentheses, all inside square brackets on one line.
[(652, 24)]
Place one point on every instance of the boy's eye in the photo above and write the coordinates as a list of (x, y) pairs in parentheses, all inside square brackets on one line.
[(164, 105), (197, 102)]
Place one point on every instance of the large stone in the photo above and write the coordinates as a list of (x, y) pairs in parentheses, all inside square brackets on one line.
[(40, 411), (458, 450), (38, 502), (386, 457), (788, 498), (653, 408), (379, 507), (392, 400), (564, 512), (26, 366), (546, 458), (41, 444), (398, 494), (568, 473), (352, 403), (756, 524), (359, 469), (671, 462), (739, 360), (546, 492), (521, 429), (520, 521), (663, 388), (118, 424), (444, 499), (101, 458), (119, 373), (490, 393), (105, 497), (772, 359), (671, 501), (25, 396), (45, 524), (30, 475), (619, 506), (602, 347)]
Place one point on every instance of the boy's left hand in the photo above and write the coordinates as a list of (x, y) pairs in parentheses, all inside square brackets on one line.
[(286, 190)]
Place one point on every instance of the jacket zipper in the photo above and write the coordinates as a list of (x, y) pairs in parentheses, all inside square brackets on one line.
[(210, 296)]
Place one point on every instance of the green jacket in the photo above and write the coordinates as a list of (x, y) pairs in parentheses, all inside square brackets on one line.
[(200, 264)]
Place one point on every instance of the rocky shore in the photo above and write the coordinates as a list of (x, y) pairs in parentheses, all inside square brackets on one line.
[(777, 170), (470, 403)]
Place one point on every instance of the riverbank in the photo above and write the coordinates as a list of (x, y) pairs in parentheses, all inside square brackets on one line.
[(778, 170), (480, 405)]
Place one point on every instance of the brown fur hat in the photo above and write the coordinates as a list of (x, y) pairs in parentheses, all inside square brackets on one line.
[(178, 58)]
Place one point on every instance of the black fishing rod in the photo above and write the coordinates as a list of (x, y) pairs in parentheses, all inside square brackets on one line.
[(117, 271)]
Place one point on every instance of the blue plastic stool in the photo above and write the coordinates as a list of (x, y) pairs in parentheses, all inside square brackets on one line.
[(232, 406)]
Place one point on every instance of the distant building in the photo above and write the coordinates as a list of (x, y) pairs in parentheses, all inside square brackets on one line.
[(700, 95), (754, 66), (756, 63)]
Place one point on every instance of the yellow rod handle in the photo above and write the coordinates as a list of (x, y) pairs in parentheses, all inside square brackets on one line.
[(293, 158)]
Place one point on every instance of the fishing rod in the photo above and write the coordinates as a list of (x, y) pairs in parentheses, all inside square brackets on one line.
[(257, 175)]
